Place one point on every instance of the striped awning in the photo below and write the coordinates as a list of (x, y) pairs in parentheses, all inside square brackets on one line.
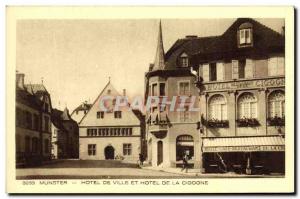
[(243, 144)]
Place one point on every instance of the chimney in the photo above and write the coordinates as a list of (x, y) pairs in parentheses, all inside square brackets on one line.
[(124, 92), (283, 30), (20, 80)]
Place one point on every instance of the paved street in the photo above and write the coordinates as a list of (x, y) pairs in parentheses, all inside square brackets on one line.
[(90, 169), (112, 169)]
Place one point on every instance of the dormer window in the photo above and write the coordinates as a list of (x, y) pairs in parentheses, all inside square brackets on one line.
[(245, 37), (184, 60)]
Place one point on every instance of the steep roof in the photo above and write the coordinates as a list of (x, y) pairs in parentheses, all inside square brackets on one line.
[(82, 107), (36, 89), (129, 117), (203, 49), (24, 97), (56, 119)]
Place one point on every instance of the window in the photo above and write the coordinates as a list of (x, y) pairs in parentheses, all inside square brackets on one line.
[(162, 89), (35, 122), (91, 149), (241, 71), (217, 108), (276, 103), (154, 90), (130, 131), (118, 114), (126, 149), (88, 132), (276, 66), (27, 144), (108, 91), (245, 36), (54, 133), (18, 117), (46, 127), (212, 72), (46, 146), (184, 88), (100, 114), (34, 145), (247, 106), (46, 108), (184, 60), (184, 116), (28, 120)]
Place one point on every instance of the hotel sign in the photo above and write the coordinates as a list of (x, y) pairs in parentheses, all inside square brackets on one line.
[(243, 148), (246, 84)]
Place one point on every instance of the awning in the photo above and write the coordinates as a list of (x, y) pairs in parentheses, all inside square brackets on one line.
[(243, 144)]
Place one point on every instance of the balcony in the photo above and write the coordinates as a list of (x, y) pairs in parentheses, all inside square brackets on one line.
[(158, 124)]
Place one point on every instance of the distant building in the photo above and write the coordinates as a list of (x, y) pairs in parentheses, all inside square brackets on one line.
[(33, 125), (110, 134), (65, 136), (80, 111)]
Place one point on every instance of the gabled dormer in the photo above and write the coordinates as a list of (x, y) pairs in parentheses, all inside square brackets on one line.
[(183, 60), (245, 35)]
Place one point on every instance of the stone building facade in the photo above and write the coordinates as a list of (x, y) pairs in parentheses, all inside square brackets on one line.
[(65, 135), (171, 134), (242, 99), (239, 80), (107, 135), (33, 124)]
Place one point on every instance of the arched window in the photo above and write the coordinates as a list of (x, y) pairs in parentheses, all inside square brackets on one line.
[(276, 104), (217, 107), (247, 106)]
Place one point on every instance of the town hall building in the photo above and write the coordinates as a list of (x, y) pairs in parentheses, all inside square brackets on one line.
[(109, 134)]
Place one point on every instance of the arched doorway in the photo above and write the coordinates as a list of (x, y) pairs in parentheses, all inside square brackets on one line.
[(159, 152), (109, 152), (184, 145)]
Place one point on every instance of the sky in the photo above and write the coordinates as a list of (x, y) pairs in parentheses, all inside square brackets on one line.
[(75, 58)]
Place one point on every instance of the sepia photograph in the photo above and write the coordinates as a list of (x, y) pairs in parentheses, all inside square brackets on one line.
[(114, 100)]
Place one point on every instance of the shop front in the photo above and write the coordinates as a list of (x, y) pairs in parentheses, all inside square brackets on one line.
[(244, 155)]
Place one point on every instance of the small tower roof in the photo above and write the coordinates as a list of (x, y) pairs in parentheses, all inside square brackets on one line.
[(159, 62)]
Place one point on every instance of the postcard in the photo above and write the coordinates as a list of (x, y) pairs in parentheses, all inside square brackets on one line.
[(150, 100)]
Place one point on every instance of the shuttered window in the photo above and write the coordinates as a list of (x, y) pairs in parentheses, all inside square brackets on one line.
[(276, 66), (235, 69), (205, 72), (220, 71), (249, 68)]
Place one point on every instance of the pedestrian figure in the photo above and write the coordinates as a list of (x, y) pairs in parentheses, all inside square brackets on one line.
[(141, 159), (185, 163)]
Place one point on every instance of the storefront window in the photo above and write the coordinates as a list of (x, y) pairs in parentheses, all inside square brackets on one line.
[(247, 106)]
